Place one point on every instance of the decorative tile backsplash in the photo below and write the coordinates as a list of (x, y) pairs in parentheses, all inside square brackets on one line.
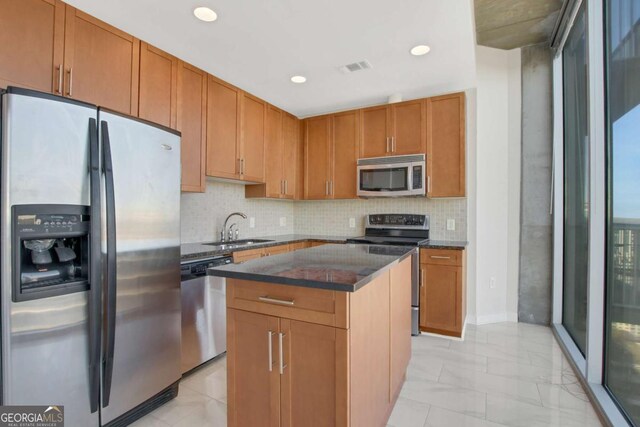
[(331, 217), (204, 214)]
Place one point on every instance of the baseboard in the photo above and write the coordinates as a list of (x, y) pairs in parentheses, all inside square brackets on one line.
[(492, 318)]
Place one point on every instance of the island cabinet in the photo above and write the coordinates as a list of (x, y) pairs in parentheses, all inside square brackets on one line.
[(242, 256), (442, 291), (300, 356)]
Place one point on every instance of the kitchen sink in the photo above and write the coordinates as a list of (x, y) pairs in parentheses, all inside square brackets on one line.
[(237, 243)]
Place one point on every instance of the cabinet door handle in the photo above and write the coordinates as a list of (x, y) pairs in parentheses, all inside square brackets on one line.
[(281, 187), (422, 277), (393, 144), (70, 88), (439, 257), (242, 164), (270, 334), (60, 73), (428, 184), (326, 188), (387, 150), (330, 188), (286, 186), (280, 339), (270, 300)]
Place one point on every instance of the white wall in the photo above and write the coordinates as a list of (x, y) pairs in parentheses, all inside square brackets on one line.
[(496, 181)]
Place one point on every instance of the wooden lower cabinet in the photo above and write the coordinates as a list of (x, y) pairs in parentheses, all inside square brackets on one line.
[(242, 256), (251, 381), (288, 366), (442, 291)]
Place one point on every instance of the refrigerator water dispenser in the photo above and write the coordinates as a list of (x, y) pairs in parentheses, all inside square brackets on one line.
[(50, 250)]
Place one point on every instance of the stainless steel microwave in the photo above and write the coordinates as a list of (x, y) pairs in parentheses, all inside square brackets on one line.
[(396, 176)]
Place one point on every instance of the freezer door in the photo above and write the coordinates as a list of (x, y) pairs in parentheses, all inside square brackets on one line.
[(143, 320), (45, 352)]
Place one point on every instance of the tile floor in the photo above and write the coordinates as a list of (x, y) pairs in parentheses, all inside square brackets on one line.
[(504, 374)]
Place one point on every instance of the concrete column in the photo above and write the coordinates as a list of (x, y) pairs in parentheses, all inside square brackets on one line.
[(536, 243)]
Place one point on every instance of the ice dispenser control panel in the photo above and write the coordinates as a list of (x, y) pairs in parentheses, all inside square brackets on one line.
[(50, 250)]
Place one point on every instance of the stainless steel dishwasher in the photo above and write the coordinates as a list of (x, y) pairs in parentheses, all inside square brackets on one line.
[(204, 322)]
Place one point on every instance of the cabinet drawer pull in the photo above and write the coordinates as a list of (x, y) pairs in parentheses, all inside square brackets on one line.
[(60, 73), (266, 298), (270, 334), (439, 257), (280, 339), (70, 88)]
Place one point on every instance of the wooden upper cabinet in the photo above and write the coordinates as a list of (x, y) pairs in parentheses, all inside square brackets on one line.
[(300, 162), (251, 381), (317, 170), (101, 63), (223, 130), (446, 146), (290, 140), (274, 151), (192, 123), (158, 86), (253, 112), (375, 131), (393, 130), (32, 44), (345, 129), (409, 134)]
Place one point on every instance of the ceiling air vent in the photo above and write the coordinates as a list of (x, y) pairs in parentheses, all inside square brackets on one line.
[(356, 66)]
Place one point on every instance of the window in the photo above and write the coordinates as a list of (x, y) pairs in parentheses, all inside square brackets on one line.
[(622, 326), (576, 181)]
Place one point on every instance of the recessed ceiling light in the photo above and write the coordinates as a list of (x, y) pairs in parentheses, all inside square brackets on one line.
[(298, 79), (420, 50), (205, 14)]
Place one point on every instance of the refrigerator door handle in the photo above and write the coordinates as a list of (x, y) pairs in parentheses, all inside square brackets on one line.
[(95, 267), (110, 294)]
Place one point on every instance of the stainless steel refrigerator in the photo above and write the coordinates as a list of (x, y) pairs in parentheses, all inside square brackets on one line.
[(90, 259)]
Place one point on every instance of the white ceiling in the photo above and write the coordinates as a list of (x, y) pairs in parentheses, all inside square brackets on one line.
[(258, 45)]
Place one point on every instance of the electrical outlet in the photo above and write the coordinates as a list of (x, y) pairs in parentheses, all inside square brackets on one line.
[(252, 222), (352, 223), (451, 224), (492, 283), (283, 221)]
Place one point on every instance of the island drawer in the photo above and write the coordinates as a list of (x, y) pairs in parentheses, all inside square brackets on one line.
[(441, 256), (311, 305)]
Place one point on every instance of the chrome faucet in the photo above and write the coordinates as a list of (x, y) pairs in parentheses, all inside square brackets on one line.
[(224, 232)]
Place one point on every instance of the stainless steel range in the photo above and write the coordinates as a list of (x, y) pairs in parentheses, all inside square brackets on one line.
[(400, 230)]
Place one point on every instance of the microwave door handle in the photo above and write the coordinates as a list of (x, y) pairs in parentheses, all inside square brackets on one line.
[(111, 265), (95, 269)]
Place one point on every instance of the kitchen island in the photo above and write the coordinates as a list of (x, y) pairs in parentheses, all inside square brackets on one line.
[(318, 337)]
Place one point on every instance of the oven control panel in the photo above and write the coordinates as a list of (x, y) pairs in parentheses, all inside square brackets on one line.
[(398, 220)]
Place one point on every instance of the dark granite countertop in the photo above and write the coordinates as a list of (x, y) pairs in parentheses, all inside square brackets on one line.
[(445, 244), (338, 267), (200, 250)]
